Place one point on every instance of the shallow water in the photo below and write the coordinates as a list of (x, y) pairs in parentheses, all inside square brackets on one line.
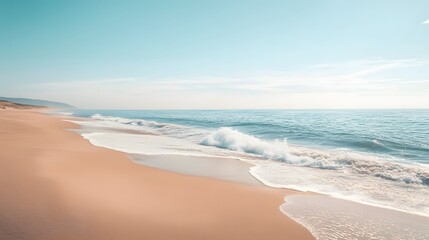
[(398, 133), (220, 168), (378, 157), (331, 219)]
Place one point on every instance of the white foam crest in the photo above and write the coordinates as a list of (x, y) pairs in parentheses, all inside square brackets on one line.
[(234, 140), (65, 113), (376, 166), (360, 188), (174, 130), (134, 122), (376, 142)]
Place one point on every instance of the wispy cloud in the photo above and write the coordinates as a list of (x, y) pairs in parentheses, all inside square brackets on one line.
[(372, 82), (355, 76), (426, 22)]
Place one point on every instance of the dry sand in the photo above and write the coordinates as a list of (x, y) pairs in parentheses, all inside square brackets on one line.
[(56, 185)]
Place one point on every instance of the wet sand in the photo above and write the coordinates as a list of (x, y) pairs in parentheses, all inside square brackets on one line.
[(56, 185), (228, 169), (332, 218)]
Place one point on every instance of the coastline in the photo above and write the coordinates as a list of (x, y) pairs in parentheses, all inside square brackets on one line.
[(155, 150), (57, 185), (325, 175)]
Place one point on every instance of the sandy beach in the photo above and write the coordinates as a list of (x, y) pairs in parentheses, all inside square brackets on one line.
[(56, 185)]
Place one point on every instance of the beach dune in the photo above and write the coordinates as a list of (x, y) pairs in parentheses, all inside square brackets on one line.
[(56, 185)]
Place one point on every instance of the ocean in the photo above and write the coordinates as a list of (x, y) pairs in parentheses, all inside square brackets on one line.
[(375, 157)]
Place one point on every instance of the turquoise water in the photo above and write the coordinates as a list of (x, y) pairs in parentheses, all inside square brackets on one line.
[(376, 157), (402, 134)]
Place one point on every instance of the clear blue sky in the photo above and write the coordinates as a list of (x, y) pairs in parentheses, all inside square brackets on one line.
[(217, 54)]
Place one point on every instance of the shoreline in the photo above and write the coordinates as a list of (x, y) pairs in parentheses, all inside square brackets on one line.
[(89, 125), (226, 169), (333, 218), (213, 167), (77, 190)]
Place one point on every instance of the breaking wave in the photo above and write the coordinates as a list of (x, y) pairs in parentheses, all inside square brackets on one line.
[(134, 122), (234, 140), (376, 169), (174, 130), (380, 166), (377, 166)]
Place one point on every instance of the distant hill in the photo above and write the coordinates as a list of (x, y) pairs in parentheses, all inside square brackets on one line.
[(37, 102), (11, 105)]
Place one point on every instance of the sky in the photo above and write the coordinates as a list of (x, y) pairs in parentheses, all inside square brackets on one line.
[(235, 54)]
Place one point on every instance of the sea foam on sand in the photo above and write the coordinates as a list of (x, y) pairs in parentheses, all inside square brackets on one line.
[(311, 170), (331, 219)]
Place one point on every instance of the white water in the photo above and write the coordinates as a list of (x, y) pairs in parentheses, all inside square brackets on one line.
[(339, 173), (364, 164), (334, 219)]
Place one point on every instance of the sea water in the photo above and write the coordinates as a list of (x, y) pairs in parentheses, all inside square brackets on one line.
[(376, 157)]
